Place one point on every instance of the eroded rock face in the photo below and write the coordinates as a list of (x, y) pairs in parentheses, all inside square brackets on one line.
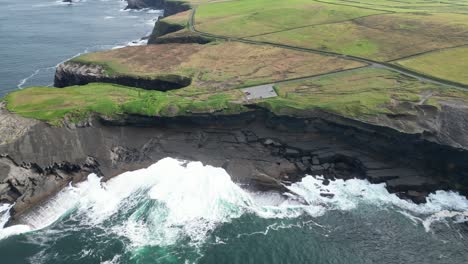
[(139, 4), (28, 184), (257, 149), (72, 73), (13, 126), (446, 125), (169, 7)]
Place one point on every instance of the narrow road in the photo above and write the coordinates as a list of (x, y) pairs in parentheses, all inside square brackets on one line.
[(372, 63)]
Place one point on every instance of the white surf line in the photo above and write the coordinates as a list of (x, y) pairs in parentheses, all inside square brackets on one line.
[(135, 42), (36, 72), (194, 199), (281, 225)]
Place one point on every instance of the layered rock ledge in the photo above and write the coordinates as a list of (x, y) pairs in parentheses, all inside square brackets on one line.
[(413, 154), (258, 150), (70, 73), (170, 7)]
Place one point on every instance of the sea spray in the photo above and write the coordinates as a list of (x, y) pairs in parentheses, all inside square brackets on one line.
[(185, 207), (349, 194), (175, 199)]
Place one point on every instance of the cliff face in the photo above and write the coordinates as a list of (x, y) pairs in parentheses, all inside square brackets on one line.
[(444, 125), (170, 7), (256, 148), (138, 4), (70, 73), (413, 154)]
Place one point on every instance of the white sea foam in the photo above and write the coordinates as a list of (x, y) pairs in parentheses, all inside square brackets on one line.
[(24, 81), (173, 200), (351, 193), (4, 214), (114, 260), (12, 230)]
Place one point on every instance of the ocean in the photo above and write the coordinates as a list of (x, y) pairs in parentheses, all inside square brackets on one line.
[(184, 212), (36, 35)]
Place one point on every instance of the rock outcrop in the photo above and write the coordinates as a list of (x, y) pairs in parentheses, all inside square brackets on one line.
[(413, 154), (139, 4), (258, 150), (170, 7), (70, 73), (13, 126), (446, 124)]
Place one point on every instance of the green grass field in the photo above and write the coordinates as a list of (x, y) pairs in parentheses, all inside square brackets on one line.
[(215, 67), (75, 102), (382, 37), (450, 64), (381, 30), (401, 6), (359, 94), (252, 17)]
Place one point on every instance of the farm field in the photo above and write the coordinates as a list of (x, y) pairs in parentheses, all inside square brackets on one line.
[(449, 64)]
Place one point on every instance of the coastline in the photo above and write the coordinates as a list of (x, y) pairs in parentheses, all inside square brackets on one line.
[(260, 149)]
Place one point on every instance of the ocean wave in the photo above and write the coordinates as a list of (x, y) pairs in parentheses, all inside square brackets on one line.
[(175, 200)]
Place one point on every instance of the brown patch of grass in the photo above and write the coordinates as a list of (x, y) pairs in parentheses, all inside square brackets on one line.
[(217, 66)]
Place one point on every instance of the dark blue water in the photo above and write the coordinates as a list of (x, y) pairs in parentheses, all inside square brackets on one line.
[(183, 213), (172, 213), (36, 35)]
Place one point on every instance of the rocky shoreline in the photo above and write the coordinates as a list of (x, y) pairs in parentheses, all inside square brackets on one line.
[(258, 149), (70, 73), (170, 7)]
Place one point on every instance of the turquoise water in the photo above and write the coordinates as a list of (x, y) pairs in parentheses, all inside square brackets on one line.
[(36, 35), (188, 213), (175, 212)]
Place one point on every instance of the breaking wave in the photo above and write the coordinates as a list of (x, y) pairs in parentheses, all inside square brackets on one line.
[(175, 200)]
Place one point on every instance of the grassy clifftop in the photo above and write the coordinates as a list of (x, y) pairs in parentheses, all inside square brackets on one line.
[(216, 66), (378, 30), (271, 42), (359, 94)]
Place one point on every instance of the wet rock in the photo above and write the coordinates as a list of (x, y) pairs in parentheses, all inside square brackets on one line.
[(327, 195), (250, 136), (417, 197), (414, 183), (271, 142), (315, 160), (291, 152), (51, 157), (301, 166), (383, 175), (122, 154), (306, 160)]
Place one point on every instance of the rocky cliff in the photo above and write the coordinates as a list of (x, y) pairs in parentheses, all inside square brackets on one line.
[(413, 154), (170, 7), (139, 4), (257, 149), (70, 73)]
